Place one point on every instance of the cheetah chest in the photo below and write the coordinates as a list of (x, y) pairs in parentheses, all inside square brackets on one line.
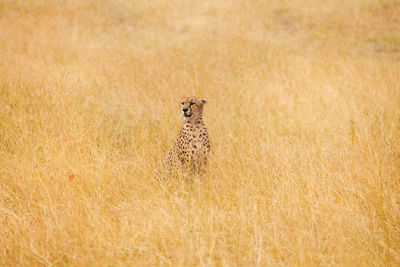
[(193, 141)]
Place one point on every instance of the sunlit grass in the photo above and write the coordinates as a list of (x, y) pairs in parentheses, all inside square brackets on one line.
[(303, 115)]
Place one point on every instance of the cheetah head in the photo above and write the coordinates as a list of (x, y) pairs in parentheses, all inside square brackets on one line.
[(192, 108)]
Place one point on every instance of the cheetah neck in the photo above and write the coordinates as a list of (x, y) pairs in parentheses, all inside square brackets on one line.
[(193, 122)]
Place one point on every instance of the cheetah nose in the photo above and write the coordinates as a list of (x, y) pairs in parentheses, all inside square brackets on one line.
[(185, 109)]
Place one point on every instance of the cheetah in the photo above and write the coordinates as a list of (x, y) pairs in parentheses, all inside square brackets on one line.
[(192, 146)]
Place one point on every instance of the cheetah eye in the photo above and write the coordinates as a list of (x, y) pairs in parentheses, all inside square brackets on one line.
[(182, 103), (192, 103)]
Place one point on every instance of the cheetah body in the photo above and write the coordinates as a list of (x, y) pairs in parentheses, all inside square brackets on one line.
[(192, 146)]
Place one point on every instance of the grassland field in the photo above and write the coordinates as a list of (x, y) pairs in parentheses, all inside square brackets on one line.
[(303, 114)]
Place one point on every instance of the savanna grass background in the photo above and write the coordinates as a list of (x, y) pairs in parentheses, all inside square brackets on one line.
[(303, 112)]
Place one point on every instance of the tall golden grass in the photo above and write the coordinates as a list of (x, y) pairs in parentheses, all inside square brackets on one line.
[(303, 113)]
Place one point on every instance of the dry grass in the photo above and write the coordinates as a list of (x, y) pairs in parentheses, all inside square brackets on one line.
[(303, 113)]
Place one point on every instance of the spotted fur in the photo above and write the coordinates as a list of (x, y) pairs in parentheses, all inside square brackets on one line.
[(192, 146)]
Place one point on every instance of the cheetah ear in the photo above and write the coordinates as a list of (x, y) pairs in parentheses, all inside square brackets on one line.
[(204, 101)]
